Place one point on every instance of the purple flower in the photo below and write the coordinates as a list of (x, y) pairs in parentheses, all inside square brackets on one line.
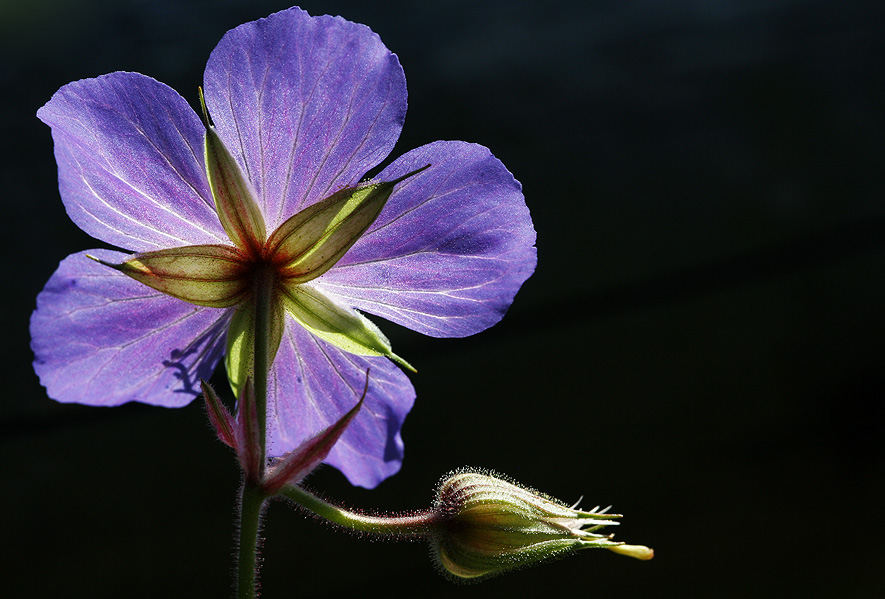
[(303, 107)]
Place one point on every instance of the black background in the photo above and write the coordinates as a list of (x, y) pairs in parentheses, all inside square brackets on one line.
[(697, 346)]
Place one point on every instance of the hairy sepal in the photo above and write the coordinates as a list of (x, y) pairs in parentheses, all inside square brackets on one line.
[(311, 242), (344, 328), (234, 198), (240, 355), (215, 276)]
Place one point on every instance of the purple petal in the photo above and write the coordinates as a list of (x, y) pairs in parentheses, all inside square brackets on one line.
[(101, 338), (130, 163), (313, 384), (308, 105), (448, 252)]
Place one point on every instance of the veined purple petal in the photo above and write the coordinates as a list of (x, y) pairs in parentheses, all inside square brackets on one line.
[(308, 105), (101, 338), (130, 163), (449, 251), (313, 384)]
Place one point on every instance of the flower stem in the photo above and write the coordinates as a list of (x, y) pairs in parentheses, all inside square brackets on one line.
[(412, 525), (251, 502), (252, 495), (264, 297)]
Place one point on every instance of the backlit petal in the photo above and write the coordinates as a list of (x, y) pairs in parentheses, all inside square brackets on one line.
[(313, 384), (101, 338), (130, 163), (449, 251), (307, 105)]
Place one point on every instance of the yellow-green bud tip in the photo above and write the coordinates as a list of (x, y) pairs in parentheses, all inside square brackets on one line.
[(638, 551)]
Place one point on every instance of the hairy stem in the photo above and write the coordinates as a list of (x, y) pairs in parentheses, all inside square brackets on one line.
[(251, 502), (264, 298), (414, 525), (252, 495)]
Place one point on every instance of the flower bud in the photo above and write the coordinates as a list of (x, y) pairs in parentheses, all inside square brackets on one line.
[(486, 525)]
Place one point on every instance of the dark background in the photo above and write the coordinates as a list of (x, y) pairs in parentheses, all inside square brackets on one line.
[(698, 346)]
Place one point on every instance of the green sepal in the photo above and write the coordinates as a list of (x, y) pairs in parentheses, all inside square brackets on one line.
[(344, 328), (234, 198), (312, 241), (206, 275), (239, 358)]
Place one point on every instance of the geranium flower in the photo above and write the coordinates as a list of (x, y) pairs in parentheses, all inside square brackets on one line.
[(303, 108)]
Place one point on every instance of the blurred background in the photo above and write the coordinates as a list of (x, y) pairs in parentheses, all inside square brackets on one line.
[(697, 347)]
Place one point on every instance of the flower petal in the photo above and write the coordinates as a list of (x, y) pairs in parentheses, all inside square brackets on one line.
[(101, 338), (313, 384), (449, 251), (130, 163), (308, 105)]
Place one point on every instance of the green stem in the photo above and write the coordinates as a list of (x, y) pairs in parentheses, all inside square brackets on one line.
[(264, 297), (414, 525), (251, 502), (252, 495)]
